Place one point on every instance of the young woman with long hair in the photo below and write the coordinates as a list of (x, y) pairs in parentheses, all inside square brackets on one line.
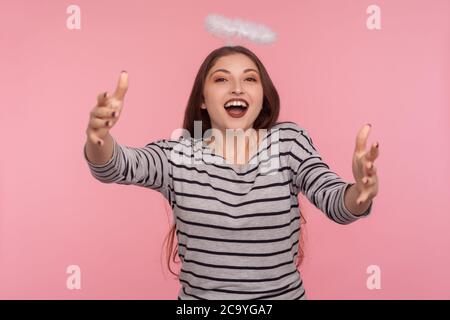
[(237, 223)]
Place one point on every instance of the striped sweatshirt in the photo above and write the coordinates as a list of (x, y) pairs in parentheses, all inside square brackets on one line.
[(237, 225)]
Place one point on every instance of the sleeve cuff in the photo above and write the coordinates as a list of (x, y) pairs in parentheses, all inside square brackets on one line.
[(105, 164), (347, 212)]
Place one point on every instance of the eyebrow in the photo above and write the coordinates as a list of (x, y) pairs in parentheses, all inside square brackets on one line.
[(226, 71)]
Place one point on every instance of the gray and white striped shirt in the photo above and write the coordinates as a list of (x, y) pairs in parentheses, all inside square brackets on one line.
[(237, 225)]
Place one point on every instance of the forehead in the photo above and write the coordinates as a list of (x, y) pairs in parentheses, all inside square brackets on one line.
[(234, 63)]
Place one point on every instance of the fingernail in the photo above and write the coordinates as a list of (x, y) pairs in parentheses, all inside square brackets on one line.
[(114, 114), (107, 123), (99, 143), (105, 94), (124, 71), (376, 145), (369, 125)]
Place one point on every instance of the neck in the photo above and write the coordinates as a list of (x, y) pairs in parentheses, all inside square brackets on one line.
[(236, 149)]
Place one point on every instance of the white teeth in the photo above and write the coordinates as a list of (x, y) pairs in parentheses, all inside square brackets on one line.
[(236, 103)]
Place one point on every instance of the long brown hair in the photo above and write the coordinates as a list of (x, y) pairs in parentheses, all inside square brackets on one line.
[(266, 119)]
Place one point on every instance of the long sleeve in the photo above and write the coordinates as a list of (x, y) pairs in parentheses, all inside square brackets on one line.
[(146, 167), (313, 178)]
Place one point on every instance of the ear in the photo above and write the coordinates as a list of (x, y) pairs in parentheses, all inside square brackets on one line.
[(203, 106)]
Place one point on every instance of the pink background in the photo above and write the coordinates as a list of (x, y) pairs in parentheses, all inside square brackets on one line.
[(333, 76)]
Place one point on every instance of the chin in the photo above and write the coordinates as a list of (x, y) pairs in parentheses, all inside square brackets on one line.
[(237, 124)]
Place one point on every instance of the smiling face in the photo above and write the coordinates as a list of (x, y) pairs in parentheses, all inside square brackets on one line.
[(232, 77)]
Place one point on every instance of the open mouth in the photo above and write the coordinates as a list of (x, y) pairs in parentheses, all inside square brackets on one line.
[(236, 109)]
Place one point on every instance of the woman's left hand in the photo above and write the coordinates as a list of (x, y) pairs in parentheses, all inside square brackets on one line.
[(363, 167)]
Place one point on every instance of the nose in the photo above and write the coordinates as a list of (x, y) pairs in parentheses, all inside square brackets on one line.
[(238, 91)]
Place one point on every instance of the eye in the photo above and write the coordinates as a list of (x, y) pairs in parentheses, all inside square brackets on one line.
[(217, 80)]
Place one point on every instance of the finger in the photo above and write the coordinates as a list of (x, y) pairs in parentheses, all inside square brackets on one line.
[(362, 198), (102, 99), (97, 123), (373, 153), (361, 138), (365, 181), (369, 181), (93, 137), (373, 170), (370, 168), (122, 86), (105, 113)]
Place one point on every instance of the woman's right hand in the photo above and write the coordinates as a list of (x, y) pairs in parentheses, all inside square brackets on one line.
[(107, 111)]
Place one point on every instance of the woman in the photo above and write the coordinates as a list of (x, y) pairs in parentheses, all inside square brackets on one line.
[(237, 221)]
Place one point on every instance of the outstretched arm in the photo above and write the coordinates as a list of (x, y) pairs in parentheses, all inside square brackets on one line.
[(110, 162), (322, 186)]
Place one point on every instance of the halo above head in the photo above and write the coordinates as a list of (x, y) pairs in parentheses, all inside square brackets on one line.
[(221, 27)]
